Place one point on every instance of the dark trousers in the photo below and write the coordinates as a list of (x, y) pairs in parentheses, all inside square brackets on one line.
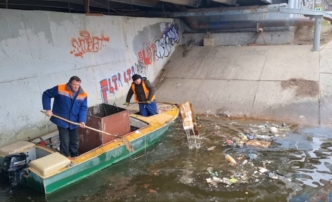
[(148, 109), (68, 141)]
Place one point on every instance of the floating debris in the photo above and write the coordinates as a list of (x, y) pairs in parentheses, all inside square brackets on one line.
[(230, 159), (257, 143), (252, 156), (211, 172), (233, 180), (264, 137), (263, 170), (211, 182), (243, 137), (216, 179), (273, 176), (229, 143), (250, 137), (216, 127), (274, 130), (211, 148)]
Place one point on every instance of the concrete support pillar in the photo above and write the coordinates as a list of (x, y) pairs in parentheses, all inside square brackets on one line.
[(318, 21)]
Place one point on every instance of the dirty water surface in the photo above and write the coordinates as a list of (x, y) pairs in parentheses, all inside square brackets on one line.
[(233, 163)]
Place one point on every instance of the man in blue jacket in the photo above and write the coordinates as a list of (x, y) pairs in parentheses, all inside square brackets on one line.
[(70, 102)]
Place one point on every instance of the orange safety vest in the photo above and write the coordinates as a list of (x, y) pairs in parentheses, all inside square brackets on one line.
[(145, 89)]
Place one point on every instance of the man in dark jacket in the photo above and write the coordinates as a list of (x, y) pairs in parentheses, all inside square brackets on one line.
[(70, 102), (143, 92)]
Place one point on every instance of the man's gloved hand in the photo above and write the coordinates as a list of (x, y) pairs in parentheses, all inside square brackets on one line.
[(148, 101), (126, 103)]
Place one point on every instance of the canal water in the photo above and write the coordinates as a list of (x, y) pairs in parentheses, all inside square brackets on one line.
[(296, 167)]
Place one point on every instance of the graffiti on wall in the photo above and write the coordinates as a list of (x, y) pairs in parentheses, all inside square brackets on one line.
[(113, 84), (147, 54), (158, 45), (87, 43), (168, 39), (141, 68), (152, 48)]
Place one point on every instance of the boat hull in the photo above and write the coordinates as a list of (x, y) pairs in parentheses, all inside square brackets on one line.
[(93, 165)]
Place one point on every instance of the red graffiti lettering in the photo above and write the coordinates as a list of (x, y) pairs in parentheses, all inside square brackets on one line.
[(147, 54), (87, 43), (104, 89), (111, 88), (125, 77), (114, 83), (125, 74), (114, 79)]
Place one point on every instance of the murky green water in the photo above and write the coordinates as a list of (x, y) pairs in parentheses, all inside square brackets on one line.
[(170, 171)]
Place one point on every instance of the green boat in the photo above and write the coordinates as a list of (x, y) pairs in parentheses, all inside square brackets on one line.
[(39, 165)]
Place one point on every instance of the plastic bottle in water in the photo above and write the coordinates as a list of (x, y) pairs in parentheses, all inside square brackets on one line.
[(230, 159)]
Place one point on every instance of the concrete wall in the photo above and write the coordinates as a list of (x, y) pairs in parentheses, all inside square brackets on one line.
[(39, 50), (286, 83)]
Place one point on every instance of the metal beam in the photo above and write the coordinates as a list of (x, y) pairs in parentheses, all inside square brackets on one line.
[(309, 13), (151, 3), (192, 3), (252, 24), (228, 2), (267, 1), (231, 11)]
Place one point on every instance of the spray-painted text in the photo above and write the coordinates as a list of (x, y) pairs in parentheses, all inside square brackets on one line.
[(87, 43)]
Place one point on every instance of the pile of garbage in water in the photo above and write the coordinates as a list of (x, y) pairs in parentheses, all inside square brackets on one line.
[(242, 152), (257, 136)]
